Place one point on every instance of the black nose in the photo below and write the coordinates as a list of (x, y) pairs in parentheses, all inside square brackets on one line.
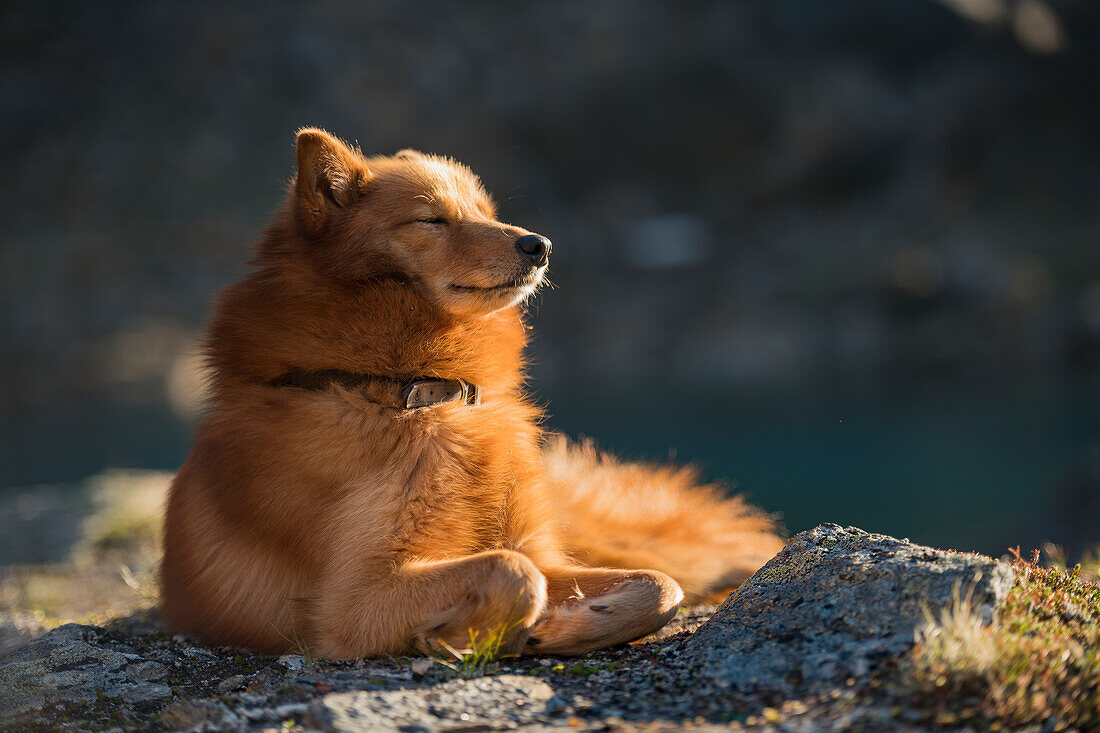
[(536, 247)]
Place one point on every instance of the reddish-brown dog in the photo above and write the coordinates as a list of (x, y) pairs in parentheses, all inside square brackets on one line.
[(370, 478)]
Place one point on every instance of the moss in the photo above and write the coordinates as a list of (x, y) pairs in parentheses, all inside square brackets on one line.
[(585, 669), (581, 669), (1039, 660), (797, 565)]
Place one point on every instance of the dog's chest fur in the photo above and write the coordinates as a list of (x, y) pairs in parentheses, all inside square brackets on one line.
[(438, 484)]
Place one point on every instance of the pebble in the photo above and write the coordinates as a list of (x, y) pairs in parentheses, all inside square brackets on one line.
[(292, 662)]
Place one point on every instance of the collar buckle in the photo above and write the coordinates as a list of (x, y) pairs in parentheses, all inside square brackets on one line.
[(431, 392)]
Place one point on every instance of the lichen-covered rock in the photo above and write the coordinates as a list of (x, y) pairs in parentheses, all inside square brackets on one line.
[(201, 715), (486, 703), (66, 666), (835, 602)]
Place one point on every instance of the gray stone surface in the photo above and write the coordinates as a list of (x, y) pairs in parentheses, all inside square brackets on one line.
[(63, 667), (834, 603), (200, 715), (489, 703)]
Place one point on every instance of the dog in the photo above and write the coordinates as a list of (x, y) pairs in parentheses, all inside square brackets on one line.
[(370, 479)]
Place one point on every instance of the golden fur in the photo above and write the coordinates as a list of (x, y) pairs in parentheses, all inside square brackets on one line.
[(359, 529)]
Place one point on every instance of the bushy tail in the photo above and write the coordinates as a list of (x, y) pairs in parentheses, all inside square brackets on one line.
[(639, 515)]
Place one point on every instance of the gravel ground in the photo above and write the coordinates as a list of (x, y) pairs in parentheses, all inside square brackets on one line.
[(823, 630), (646, 686)]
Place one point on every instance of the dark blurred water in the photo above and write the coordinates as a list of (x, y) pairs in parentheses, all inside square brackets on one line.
[(971, 467)]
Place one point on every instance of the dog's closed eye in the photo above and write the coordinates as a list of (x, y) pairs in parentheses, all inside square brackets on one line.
[(436, 220)]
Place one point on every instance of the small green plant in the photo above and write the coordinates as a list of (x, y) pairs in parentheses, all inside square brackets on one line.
[(480, 652), (308, 661), (1090, 565)]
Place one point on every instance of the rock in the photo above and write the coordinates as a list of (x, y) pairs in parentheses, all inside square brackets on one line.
[(833, 604), (232, 684), (421, 667), (487, 703), (292, 662), (200, 716), (66, 666)]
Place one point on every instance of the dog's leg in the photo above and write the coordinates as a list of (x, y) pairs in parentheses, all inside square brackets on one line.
[(423, 605), (595, 608)]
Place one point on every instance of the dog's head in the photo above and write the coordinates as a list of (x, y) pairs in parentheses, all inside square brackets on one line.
[(413, 216)]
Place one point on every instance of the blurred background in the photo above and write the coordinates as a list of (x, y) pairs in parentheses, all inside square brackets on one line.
[(843, 256)]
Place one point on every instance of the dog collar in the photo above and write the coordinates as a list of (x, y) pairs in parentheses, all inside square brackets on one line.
[(408, 394)]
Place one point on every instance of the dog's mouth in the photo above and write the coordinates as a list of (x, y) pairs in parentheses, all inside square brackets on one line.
[(517, 284)]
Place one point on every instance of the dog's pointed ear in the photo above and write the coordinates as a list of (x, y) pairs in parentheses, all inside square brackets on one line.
[(330, 176)]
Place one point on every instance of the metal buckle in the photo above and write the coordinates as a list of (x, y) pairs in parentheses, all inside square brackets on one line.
[(431, 392)]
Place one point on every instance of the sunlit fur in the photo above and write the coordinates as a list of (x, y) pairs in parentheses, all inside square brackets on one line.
[(326, 519)]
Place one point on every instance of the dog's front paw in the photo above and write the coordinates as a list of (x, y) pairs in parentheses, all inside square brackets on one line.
[(634, 608), (564, 630)]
